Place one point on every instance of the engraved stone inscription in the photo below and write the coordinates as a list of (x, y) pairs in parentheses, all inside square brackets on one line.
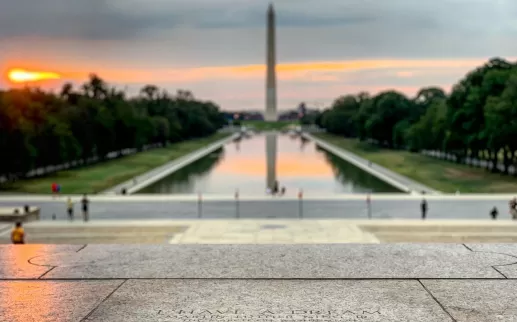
[(269, 301), (269, 315)]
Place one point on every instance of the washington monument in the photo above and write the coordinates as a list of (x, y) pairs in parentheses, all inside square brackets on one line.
[(271, 67)]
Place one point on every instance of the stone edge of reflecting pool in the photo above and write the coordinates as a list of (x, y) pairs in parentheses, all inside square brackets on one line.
[(23, 198)]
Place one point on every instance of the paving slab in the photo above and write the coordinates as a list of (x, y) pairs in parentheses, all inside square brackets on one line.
[(51, 300), (269, 301), (509, 249), (16, 261), (476, 300), (509, 269), (275, 261)]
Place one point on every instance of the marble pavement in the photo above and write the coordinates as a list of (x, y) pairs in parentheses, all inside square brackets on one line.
[(303, 282)]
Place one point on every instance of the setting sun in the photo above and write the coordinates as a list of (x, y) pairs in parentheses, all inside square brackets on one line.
[(21, 76)]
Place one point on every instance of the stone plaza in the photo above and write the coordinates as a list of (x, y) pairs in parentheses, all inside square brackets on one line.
[(326, 283)]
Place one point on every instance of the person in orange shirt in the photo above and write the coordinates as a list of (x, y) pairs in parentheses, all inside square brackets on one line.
[(18, 235)]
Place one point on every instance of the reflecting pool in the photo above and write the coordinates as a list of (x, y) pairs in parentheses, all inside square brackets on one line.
[(250, 165)]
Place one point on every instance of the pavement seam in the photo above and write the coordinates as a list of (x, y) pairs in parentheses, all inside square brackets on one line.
[(436, 300), (104, 300), (47, 272), (499, 271), (262, 278), (494, 266), (82, 247), (467, 247)]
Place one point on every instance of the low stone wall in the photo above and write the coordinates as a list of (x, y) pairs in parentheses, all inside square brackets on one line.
[(19, 214)]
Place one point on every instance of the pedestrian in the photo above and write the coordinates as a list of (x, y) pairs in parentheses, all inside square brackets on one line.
[(18, 234), (275, 188), (494, 213), (282, 191), (423, 207), (53, 187), (70, 208), (85, 203), (513, 208)]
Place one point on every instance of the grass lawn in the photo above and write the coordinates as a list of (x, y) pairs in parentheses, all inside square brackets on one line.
[(268, 126), (438, 174), (99, 177)]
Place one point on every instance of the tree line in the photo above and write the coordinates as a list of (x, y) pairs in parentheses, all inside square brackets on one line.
[(82, 125), (478, 119)]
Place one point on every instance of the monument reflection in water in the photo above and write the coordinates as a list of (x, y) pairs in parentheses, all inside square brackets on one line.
[(252, 164)]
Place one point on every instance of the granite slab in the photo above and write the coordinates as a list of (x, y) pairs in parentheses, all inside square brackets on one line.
[(51, 300), (269, 301), (16, 261), (509, 269), (275, 261), (476, 300)]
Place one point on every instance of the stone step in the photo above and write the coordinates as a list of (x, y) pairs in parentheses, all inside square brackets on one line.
[(96, 240), (405, 229), (446, 239), (103, 229)]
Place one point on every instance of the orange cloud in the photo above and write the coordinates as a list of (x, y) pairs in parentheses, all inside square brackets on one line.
[(18, 75), (304, 71)]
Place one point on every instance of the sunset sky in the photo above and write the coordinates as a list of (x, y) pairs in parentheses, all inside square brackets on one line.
[(216, 48)]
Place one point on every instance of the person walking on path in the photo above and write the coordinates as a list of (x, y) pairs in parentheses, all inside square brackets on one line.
[(70, 208), (85, 204), (423, 208), (494, 213), (513, 208), (18, 234)]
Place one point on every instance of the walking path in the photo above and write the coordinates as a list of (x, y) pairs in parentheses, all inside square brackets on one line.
[(259, 283), (156, 174), (396, 180), (381, 206)]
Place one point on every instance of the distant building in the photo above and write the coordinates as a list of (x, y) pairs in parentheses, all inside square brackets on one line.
[(302, 109)]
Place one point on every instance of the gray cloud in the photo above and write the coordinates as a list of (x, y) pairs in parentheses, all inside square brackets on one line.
[(129, 19)]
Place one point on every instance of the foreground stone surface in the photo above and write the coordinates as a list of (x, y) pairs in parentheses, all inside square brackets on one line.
[(16, 262), (510, 250), (261, 301), (259, 283), (275, 261), (475, 300), (51, 301)]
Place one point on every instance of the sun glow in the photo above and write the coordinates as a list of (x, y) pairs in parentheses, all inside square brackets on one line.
[(21, 76)]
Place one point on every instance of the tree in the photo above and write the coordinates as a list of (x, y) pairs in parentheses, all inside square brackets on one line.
[(390, 110), (41, 129), (501, 122), (478, 118)]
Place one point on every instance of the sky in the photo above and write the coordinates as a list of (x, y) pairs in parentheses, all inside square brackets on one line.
[(216, 48)]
